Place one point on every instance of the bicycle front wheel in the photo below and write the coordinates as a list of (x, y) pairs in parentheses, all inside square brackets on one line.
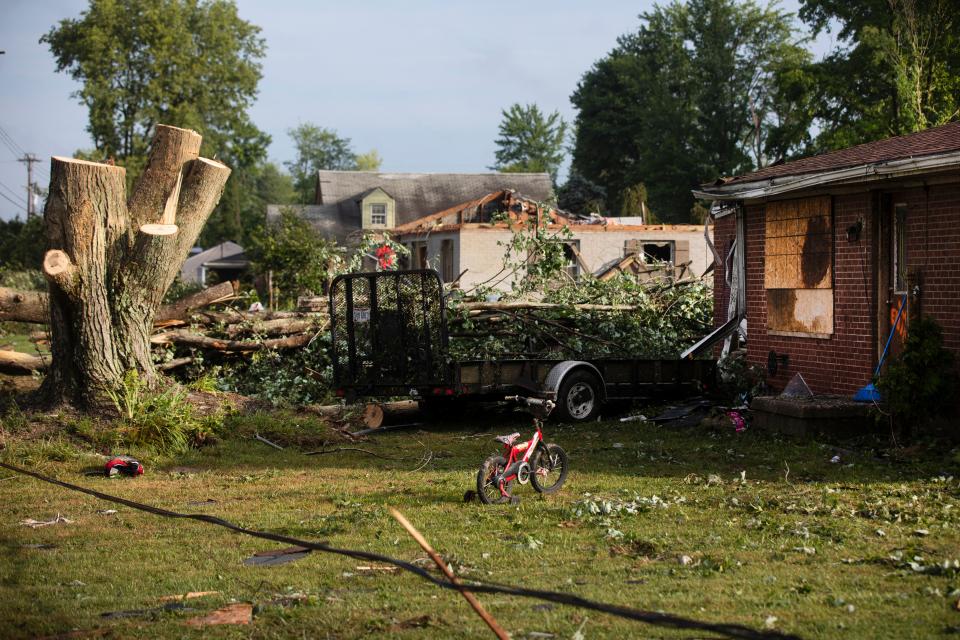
[(549, 468)]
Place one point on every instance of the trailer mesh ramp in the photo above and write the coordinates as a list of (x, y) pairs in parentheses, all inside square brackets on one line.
[(388, 331)]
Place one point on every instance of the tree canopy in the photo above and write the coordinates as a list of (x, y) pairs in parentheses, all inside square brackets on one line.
[(896, 70), (530, 141), (187, 63), (321, 148), (297, 254), (701, 89)]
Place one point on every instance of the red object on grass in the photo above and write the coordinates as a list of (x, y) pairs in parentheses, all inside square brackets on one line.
[(125, 465)]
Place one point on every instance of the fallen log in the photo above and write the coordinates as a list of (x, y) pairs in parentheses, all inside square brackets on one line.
[(33, 306), (519, 306), (173, 364), (181, 309), (190, 339), (24, 306), (278, 327), (376, 413), (17, 363)]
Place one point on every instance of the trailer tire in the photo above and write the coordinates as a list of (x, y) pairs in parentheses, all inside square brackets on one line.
[(578, 399)]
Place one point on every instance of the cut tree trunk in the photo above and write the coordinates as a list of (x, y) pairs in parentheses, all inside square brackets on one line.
[(34, 306), (111, 260), (23, 306), (21, 363)]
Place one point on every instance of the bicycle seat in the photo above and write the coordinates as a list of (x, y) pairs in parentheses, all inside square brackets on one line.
[(508, 440)]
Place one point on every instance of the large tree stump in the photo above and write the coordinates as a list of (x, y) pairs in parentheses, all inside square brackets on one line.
[(111, 260)]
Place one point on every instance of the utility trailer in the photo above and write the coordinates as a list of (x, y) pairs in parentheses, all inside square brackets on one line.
[(389, 334)]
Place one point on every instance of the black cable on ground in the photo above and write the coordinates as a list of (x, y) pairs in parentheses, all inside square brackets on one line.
[(649, 617)]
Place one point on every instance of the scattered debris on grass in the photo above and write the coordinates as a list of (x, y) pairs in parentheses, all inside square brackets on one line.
[(419, 622), (33, 524), (277, 556), (189, 596), (240, 613), (144, 613)]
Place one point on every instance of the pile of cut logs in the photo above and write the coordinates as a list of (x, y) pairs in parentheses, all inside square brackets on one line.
[(187, 322)]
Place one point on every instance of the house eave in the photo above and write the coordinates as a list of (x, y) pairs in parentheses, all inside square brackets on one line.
[(860, 174)]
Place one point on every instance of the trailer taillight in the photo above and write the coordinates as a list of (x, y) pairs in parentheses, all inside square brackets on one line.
[(442, 391)]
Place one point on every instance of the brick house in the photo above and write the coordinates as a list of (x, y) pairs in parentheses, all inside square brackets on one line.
[(829, 246)]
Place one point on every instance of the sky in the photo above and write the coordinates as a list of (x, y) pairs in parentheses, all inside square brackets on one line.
[(421, 81)]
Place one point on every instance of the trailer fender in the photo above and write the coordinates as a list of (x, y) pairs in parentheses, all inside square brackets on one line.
[(551, 384)]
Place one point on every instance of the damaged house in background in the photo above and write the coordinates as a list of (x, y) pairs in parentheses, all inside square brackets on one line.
[(453, 222), (349, 203), (467, 242), (818, 254)]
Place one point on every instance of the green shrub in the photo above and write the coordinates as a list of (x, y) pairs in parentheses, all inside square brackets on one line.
[(920, 382), (160, 419)]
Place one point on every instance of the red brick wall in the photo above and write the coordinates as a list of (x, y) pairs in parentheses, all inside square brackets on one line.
[(933, 248), (844, 362)]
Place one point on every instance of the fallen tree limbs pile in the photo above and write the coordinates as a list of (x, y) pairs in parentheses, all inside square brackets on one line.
[(182, 328), (617, 317)]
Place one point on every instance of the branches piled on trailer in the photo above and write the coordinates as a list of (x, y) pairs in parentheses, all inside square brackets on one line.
[(617, 317)]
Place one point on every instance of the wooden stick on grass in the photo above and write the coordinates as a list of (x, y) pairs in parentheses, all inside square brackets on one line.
[(472, 599)]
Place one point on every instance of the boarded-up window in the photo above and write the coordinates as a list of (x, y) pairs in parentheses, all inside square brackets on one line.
[(798, 276)]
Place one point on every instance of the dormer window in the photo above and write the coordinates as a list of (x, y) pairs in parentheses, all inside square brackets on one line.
[(378, 214)]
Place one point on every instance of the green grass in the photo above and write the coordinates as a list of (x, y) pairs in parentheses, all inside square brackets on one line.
[(732, 536), (21, 342)]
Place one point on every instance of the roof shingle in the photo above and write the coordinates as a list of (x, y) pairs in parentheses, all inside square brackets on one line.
[(942, 139)]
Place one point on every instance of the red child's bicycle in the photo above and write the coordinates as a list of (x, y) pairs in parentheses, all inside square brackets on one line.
[(543, 465)]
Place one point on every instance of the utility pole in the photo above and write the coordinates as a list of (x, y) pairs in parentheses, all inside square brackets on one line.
[(29, 159)]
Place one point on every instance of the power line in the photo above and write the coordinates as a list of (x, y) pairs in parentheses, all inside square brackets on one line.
[(649, 617), (14, 194), (10, 143), (11, 201)]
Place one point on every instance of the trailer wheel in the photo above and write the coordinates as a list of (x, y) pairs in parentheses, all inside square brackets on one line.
[(579, 397)]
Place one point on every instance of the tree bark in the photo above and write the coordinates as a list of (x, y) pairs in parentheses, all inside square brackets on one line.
[(34, 306), (189, 339), (181, 309), (111, 261), (23, 306), (21, 363)]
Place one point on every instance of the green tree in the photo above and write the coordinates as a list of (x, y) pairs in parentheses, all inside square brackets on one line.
[(369, 161), (702, 89), (186, 63), (580, 195), (317, 148), (298, 255), (243, 206), (530, 141), (22, 244), (895, 70)]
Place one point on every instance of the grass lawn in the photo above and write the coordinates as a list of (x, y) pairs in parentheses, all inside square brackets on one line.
[(744, 528)]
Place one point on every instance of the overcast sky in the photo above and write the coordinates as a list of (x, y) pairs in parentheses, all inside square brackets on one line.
[(422, 81)]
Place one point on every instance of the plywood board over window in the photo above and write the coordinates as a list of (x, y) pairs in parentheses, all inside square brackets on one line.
[(798, 271)]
